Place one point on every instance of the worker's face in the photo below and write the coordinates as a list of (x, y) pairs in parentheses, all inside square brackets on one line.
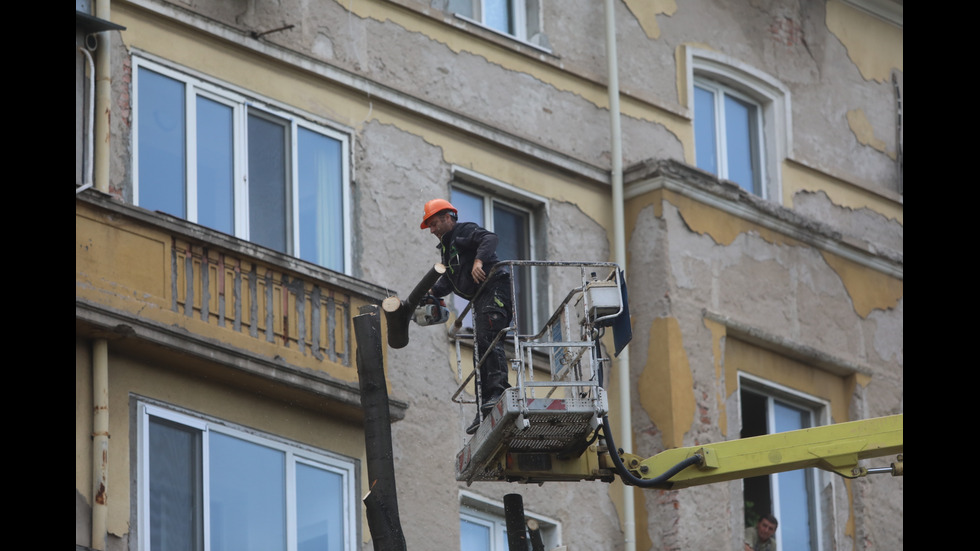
[(765, 529), (440, 224)]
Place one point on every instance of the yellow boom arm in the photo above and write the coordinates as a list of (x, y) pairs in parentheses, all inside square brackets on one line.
[(836, 448)]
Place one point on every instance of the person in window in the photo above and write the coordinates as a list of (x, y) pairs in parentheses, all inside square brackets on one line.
[(469, 253), (760, 537)]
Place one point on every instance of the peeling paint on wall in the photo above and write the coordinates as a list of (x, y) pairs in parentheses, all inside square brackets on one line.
[(865, 133), (665, 386), (444, 32), (869, 290), (646, 12), (798, 178), (730, 383), (864, 37), (704, 220)]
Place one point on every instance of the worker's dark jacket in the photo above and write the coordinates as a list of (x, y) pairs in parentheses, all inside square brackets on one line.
[(491, 310), (459, 248)]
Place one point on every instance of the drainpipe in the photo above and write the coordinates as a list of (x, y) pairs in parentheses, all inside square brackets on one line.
[(625, 434), (89, 118), (103, 89), (100, 442), (100, 347)]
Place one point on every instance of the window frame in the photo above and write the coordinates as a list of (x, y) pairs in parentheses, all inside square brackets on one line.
[(772, 97), (480, 510), (294, 454), (245, 104), (494, 192), (815, 478), (720, 93), (526, 17)]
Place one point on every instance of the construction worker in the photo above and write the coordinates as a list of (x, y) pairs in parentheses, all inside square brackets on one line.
[(469, 252)]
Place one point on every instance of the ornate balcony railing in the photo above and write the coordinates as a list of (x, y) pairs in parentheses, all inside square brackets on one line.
[(245, 296), (167, 285)]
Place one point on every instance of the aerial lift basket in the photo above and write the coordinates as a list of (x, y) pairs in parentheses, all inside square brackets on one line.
[(539, 427)]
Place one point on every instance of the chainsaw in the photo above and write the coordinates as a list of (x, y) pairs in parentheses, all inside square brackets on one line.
[(431, 311)]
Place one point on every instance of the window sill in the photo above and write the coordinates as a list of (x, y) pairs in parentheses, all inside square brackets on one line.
[(509, 37)]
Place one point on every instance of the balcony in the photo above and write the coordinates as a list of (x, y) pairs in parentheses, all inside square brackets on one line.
[(185, 297)]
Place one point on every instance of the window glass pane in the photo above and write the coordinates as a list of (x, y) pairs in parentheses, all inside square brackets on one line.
[(462, 7), (470, 207), (319, 509), (497, 15), (512, 227), (175, 487), (706, 141), (794, 512), (794, 491), (789, 418), (267, 197), (215, 165), (248, 496), (473, 537), (162, 143), (740, 147), (321, 204)]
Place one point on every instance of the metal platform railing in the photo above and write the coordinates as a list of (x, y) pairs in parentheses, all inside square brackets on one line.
[(543, 414)]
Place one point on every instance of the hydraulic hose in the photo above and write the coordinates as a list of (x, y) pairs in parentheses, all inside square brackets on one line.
[(661, 482)]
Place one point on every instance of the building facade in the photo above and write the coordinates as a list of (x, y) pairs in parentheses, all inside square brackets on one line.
[(250, 174)]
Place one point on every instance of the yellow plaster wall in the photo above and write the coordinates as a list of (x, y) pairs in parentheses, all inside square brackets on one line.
[(665, 385), (865, 132), (723, 228), (875, 46), (718, 332), (869, 289), (740, 356), (646, 12), (798, 178)]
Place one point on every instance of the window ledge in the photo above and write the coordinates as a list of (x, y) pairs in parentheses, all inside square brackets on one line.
[(787, 347), (509, 37), (477, 29)]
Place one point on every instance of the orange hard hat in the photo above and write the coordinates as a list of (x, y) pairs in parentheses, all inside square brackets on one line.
[(433, 207)]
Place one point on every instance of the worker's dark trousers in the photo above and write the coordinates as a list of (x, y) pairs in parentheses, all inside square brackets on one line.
[(492, 311)]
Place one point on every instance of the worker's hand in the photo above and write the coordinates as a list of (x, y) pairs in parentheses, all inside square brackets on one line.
[(478, 274), (748, 547)]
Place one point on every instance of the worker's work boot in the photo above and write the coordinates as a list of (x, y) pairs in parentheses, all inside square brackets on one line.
[(485, 408), (474, 426), (488, 404)]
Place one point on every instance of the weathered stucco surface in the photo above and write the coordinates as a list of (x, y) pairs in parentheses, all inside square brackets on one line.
[(456, 95), (686, 261)]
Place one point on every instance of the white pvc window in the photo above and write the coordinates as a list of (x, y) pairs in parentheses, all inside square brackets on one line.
[(483, 526), (728, 135), (742, 121), (792, 496), (204, 486), (231, 163), (513, 223), (519, 19)]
